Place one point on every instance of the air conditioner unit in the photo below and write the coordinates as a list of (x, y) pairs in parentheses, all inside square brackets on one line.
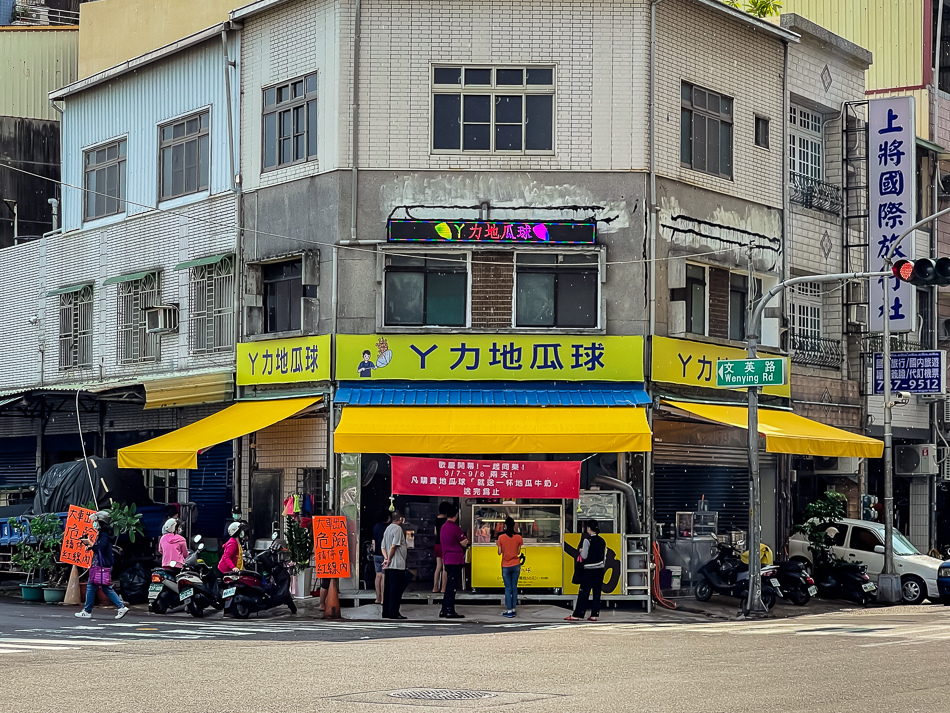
[(835, 465), (943, 465), (915, 460), (161, 319), (857, 293), (858, 315)]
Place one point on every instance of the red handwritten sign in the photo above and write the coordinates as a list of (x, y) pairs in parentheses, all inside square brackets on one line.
[(331, 548), (508, 479), (77, 527)]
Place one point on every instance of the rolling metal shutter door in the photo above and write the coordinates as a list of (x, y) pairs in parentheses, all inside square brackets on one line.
[(209, 488), (17, 461)]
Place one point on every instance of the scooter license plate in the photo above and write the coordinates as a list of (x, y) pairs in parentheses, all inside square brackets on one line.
[(187, 594), (868, 586), (229, 592), (155, 587), (813, 590), (774, 582)]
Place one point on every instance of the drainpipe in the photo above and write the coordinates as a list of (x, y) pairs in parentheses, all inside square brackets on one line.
[(652, 149), (54, 203), (355, 122)]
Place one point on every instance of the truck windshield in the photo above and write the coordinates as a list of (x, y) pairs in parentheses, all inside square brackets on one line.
[(903, 546)]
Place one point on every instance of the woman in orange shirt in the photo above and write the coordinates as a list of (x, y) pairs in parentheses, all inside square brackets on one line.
[(509, 547)]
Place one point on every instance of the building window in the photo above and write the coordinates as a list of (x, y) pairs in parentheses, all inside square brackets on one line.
[(75, 329), (557, 290), (706, 131), (135, 296), (738, 303), (428, 290), (804, 143), (211, 313), (105, 180), (695, 297), (283, 293), (761, 132), (167, 486), (493, 109), (290, 122), (806, 315), (184, 156)]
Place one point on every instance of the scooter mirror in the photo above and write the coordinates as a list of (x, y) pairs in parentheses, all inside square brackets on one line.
[(201, 546), (273, 536), (196, 539)]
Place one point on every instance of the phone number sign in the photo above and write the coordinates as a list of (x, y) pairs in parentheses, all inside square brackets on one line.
[(916, 372)]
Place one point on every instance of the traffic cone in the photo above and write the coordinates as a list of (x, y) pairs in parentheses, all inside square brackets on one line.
[(73, 594), (332, 608)]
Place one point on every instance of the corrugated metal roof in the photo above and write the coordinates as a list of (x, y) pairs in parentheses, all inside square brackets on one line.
[(487, 393)]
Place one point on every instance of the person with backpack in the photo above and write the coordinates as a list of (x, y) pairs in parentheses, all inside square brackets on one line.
[(593, 559), (100, 572)]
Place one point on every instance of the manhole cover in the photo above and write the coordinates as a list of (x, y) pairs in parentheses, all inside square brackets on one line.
[(440, 694)]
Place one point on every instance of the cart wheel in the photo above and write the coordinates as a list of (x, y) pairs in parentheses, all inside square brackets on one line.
[(557, 590)]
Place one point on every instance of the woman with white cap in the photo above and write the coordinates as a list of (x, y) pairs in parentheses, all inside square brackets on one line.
[(172, 547)]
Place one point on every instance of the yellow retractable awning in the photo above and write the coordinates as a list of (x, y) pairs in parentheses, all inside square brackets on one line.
[(180, 449), (485, 429), (787, 432)]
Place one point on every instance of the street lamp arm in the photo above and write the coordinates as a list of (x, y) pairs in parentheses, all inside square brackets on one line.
[(911, 229)]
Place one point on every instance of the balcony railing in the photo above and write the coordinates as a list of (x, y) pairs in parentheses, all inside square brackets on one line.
[(811, 193), (874, 343), (815, 351), (27, 12)]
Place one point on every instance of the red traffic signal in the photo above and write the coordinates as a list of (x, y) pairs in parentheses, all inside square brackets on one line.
[(925, 271)]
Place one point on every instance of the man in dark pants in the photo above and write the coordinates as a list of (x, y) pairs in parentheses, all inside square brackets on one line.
[(453, 543), (395, 548)]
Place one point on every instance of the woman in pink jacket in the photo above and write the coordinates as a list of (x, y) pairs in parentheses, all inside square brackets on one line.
[(231, 551), (172, 547)]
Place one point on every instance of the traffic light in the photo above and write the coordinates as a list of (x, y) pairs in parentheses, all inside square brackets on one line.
[(925, 271)]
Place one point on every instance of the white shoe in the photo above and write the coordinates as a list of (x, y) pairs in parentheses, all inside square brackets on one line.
[(121, 613), (84, 614)]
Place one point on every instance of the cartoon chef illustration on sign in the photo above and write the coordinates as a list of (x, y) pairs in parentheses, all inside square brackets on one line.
[(384, 356)]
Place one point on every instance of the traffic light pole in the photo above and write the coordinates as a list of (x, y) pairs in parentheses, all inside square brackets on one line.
[(889, 584), (754, 605)]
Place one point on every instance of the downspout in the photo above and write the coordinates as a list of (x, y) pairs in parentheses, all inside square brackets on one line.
[(355, 123), (652, 149)]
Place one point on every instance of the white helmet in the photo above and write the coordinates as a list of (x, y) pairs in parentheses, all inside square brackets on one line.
[(171, 524), (234, 528)]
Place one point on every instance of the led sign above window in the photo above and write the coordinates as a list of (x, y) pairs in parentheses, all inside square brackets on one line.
[(493, 231)]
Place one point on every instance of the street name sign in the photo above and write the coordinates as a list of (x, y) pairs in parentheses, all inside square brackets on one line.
[(748, 373), (916, 372)]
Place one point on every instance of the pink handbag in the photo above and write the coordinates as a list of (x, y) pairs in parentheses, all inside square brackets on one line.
[(100, 575)]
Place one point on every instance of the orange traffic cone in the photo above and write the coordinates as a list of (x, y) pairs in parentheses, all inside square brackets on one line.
[(73, 593), (331, 609)]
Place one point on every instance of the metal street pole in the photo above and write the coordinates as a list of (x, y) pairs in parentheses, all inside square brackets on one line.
[(889, 582), (754, 605)]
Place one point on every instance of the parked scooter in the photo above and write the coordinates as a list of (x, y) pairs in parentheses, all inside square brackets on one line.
[(197, 584), (795, 584), (836, 579), (722, 575), (163, 590), (248, 591)]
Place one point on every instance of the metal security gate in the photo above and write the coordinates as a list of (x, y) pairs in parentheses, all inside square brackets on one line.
[(17, 462), (209, 487)]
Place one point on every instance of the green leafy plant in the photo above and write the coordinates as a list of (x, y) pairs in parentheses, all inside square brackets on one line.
[(299, 544), (126, 521), (827, 508), (757, 8), (39, 550)]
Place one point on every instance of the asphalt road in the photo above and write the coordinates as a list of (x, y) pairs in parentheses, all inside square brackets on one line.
[(859, 660)]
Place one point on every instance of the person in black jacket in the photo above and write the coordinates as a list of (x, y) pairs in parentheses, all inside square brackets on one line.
[(593, 557), (103, 557)]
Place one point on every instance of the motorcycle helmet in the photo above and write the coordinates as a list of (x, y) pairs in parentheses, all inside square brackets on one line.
[(171, 524), (234, 528)]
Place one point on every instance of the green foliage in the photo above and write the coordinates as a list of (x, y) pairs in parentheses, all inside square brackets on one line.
[(757, 8), (299, 544), (126, 521), (41, 550), (829, 507)]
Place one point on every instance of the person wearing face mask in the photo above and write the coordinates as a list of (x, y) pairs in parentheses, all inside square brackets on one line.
[(231, 558), (172, 547), (100, 572)]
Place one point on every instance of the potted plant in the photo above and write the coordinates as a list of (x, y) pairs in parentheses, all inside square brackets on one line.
[(827, 508), (55, 591), (40, 539), (300, 547)]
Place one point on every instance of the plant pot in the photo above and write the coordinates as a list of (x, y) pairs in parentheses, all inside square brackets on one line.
[(54, 595), (32, 592), (300, 583)]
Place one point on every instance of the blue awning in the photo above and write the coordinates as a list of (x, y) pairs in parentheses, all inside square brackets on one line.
[(490, 393)]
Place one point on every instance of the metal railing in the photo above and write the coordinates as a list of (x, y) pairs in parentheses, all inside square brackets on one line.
[(874, 343), (811, 193), (810, 350), (31, 13)]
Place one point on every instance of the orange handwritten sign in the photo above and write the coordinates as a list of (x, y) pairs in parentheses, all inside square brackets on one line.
[(331, 547), (77, 527)]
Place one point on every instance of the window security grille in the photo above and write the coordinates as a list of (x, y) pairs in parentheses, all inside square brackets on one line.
[(135, 296), (211, 311), (75, 329)]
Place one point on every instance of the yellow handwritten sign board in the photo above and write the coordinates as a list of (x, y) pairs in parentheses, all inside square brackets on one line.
[(488, 357), (681, 361), (284, 361)]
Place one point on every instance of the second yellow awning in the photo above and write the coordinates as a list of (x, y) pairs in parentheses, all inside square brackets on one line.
[(179, 449), (484, 429), (787, 432)]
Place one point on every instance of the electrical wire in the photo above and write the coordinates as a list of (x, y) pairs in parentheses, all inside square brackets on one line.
[(85, 460), (657, 567)]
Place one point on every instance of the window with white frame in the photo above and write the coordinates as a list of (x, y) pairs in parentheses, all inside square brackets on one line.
[(135, 344), (75, 328), (290, 122), (806, 316), (184, 155), (492, 109), (104, 180), (211, 308), (167, 486), (805, 146)]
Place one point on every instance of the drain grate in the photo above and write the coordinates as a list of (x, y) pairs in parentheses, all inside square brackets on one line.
[(440, 694)]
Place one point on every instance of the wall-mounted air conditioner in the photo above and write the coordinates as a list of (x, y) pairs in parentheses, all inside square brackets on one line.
[(161, 319)]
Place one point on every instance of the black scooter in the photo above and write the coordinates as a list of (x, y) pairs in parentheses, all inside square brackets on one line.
[(197, 584), (720, 575), (248, 591), (795, 584), (837, 579)]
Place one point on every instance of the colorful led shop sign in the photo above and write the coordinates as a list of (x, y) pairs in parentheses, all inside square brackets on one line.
[(493, 231)]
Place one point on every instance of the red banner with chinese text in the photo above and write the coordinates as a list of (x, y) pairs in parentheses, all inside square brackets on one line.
[(77, 526), (331, 550), (507, 479)]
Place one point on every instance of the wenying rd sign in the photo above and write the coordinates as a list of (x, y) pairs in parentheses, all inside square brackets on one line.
[(748, 373)]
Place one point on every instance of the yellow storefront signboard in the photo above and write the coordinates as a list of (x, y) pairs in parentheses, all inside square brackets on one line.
[(484, 357), (284, 361), (682, 361), (613, 575), (541, 567)]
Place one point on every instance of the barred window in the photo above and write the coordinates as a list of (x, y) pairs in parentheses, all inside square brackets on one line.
[(135, 296), (211, 312), (805, 143), (75, 328), (806, 314)]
